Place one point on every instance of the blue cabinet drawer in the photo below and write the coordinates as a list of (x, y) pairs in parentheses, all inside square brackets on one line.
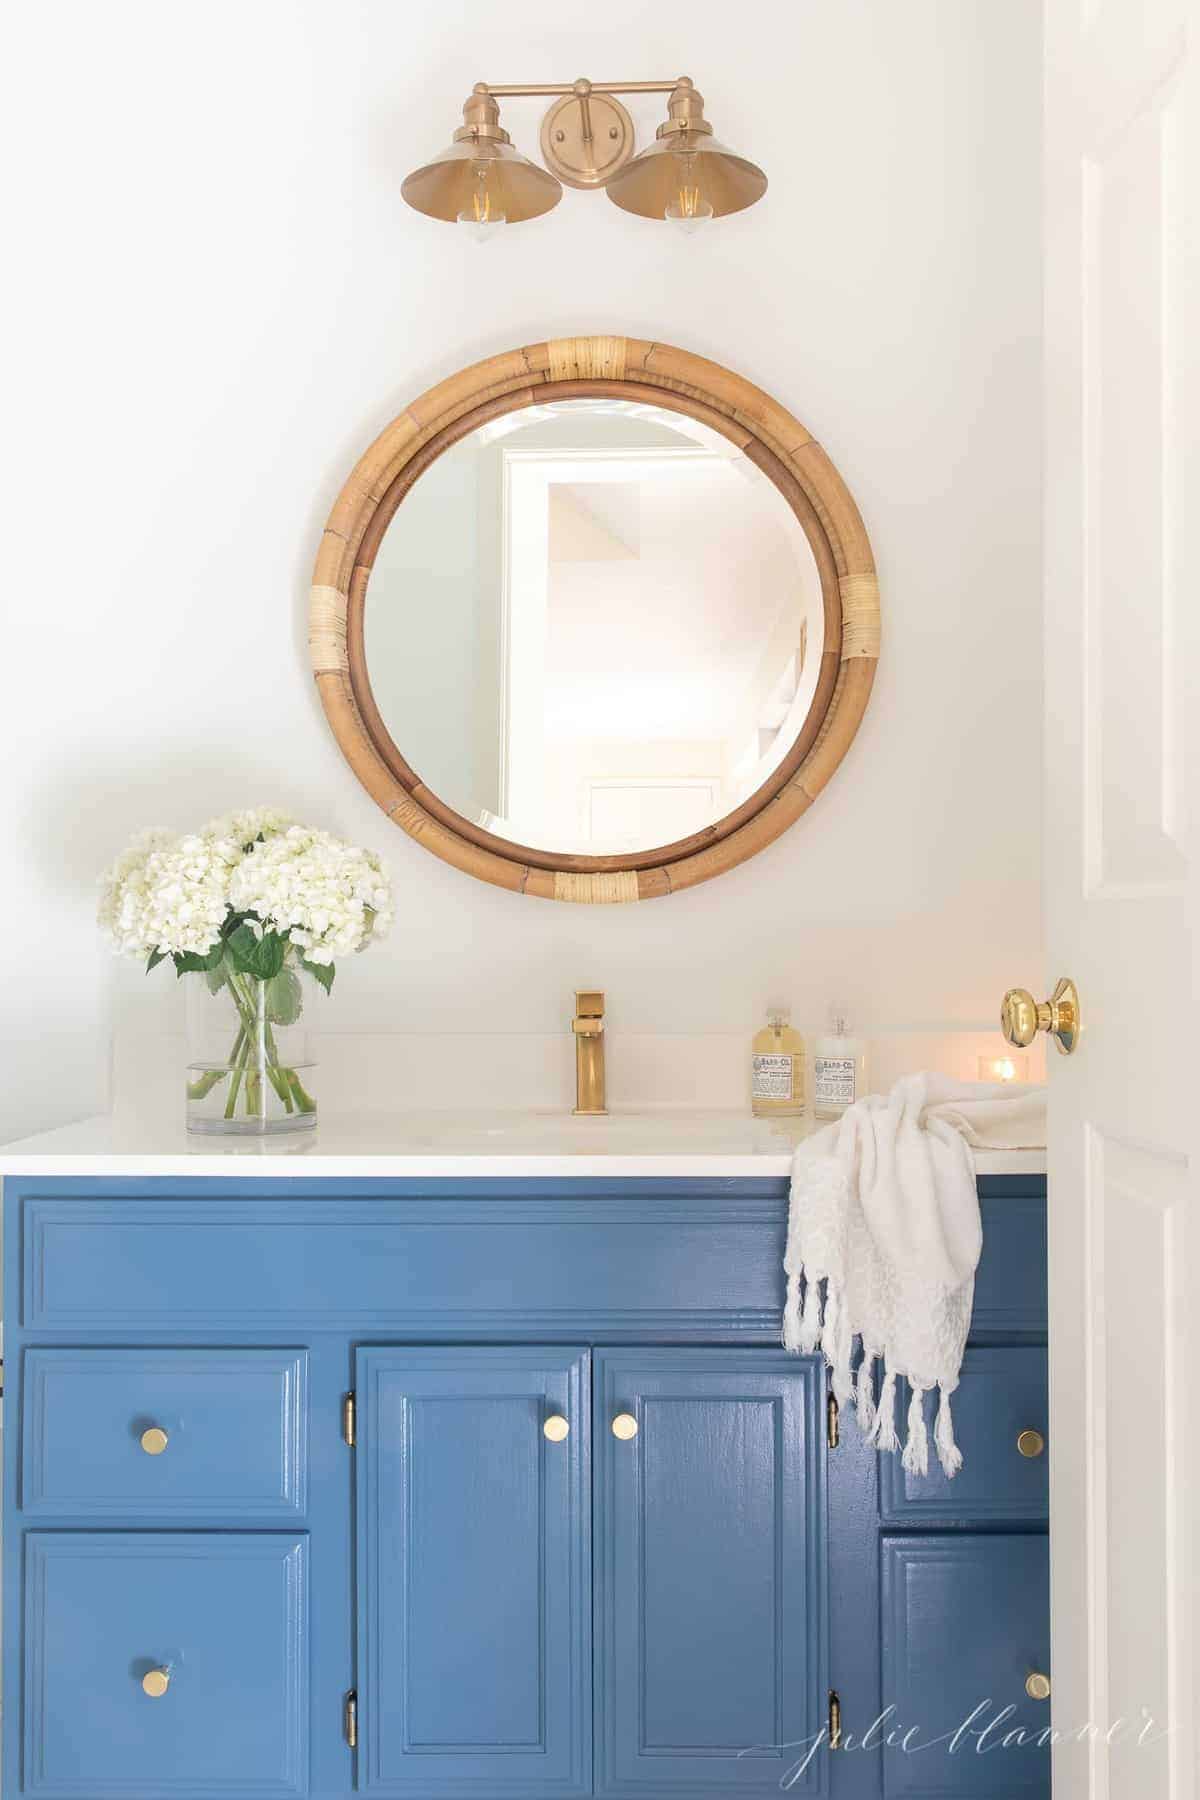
[(161, 1434), (965, 1624), (1000, 1401), (224, 1615)]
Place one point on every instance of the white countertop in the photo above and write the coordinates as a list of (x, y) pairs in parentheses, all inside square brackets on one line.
[(528, 1145)]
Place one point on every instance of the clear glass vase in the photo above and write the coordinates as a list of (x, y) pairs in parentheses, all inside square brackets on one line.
[(249, 1070)]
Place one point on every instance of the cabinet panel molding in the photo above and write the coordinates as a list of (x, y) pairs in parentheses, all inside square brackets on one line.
[(465, 1267)]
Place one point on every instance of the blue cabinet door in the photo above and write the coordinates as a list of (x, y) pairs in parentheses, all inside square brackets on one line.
[(474, 1571), (965, 1624), (710, 1569), (220, 1617)]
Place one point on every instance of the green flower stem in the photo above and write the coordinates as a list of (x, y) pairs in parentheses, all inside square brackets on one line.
[(255, 1052), (304, 1100), (203, 1086), (280, 1077), (238, 1066), (247, 1002)]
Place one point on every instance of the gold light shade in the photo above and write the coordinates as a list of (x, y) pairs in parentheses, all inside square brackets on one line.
[(650, 183), (686, 167), (481, 160)]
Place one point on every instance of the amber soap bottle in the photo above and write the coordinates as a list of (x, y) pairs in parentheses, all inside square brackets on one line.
[(777, 1068)]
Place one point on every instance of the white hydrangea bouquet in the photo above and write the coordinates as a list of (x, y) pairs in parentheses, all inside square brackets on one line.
[(247, 904)]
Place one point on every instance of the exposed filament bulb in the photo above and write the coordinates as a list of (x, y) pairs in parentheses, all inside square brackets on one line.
[(483, 213), (689, 206)]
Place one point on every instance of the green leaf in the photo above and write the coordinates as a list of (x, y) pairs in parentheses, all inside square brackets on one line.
[(272, 950), (284, 997), (153, 960), (261, 957), (241, 947), (188, 963), (218, 975), (322, 973)]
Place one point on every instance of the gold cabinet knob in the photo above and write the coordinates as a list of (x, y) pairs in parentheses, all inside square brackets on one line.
[(625, 1426), (556, 1428), (153, 1440), (1022, 1017), (1037, 1685), (155, 1683), (1030, 1443)]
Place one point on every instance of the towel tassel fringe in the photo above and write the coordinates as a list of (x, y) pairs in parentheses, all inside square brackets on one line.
[(865, 1392), (949, 1454), (883, 1431), (916, 1450), (791, 1315), (810, 1322)]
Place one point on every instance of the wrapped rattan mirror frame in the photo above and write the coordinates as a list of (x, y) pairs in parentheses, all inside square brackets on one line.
[(567, 368)]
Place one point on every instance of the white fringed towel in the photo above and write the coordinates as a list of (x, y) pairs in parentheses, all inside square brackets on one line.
[(884, 1235)]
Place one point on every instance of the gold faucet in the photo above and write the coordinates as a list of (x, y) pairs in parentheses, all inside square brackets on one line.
[(588, 1026)]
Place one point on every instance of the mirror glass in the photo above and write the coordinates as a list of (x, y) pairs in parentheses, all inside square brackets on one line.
[(593, 627)]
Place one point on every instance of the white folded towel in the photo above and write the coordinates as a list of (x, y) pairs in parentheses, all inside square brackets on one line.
[(885, 1216)]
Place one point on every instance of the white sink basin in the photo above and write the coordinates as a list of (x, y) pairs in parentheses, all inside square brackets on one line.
[(617, 1133)]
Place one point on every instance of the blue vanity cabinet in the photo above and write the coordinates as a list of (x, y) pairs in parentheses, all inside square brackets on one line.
[(438, 1591)]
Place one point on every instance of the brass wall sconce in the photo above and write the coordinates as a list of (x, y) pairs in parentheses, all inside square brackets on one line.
[(587, 141)]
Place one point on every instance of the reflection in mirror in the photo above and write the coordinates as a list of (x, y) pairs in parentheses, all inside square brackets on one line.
[(593, 627)]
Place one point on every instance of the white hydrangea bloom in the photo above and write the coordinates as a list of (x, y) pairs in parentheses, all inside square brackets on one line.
[(328, 896), (246, 826), (123, 883), (167, 893), (173, 894)]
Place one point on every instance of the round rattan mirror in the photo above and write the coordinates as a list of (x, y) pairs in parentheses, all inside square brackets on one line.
[(620, 632)]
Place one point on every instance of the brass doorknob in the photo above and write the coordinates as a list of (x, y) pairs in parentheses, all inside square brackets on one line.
[(556, 1428), (1030, 1443), (155, 1683), (1022, 1017), (1037, 1685), (153, 1440), (625, 1426)]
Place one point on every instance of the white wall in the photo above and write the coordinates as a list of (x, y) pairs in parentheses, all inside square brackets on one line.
[(218, 299)]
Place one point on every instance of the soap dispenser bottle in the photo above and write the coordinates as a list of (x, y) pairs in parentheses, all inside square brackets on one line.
[(777, 1068), (839, 1068)]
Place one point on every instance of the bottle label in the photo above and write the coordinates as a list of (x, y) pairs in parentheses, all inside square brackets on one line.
[(771, 1077), (833, 1081)]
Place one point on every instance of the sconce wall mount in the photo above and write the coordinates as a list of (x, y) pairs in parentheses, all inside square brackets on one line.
[(587, 141)]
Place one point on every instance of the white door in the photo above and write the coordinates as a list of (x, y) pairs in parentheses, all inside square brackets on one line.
[(1122, 674)]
